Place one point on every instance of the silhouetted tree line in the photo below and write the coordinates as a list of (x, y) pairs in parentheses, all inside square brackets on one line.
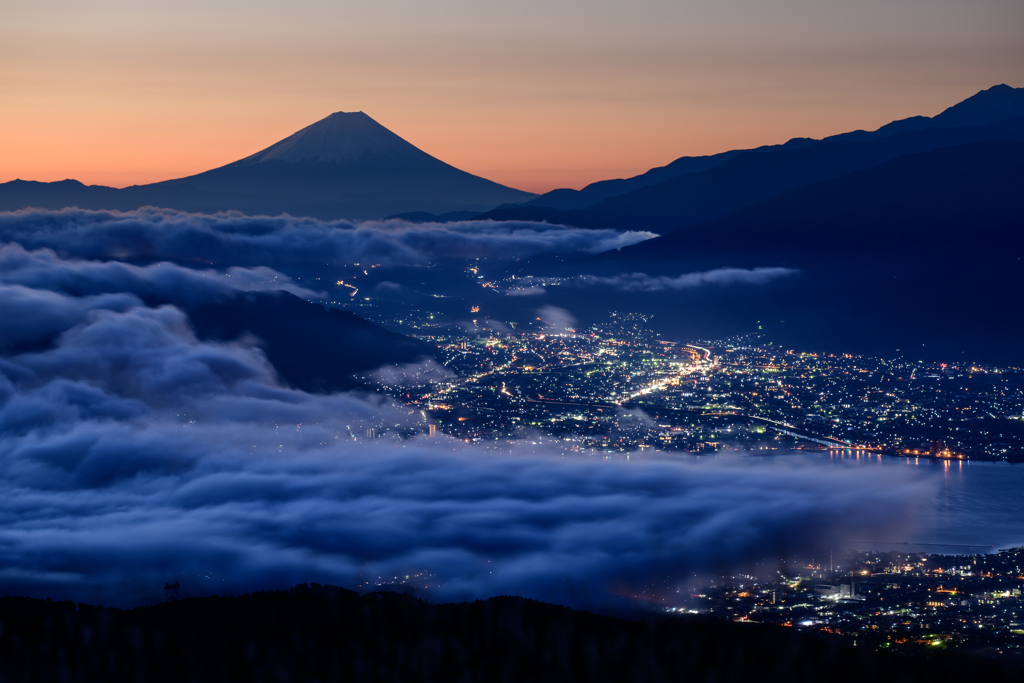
[(324, 633)]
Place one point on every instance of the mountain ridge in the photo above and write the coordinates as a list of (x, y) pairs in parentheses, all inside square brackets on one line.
[(626, 203), (313, 348), (690, 199), (349, 166), (918, 254), (312, 632), (345, 166)]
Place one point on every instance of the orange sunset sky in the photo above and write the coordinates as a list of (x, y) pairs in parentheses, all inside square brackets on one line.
[(532, 94)]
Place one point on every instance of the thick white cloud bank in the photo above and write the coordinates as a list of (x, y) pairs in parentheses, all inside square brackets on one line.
[(235, 239), (44, 269), (133, 453)]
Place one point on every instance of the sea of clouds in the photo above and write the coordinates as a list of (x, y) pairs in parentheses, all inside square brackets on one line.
[(240, 240), (133, 453)]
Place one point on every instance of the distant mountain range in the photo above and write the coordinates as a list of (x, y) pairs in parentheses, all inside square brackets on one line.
[(692, 190), (921, 253), (908, 239), (909, 236), (967, 198), (344, 166), (349, 166)]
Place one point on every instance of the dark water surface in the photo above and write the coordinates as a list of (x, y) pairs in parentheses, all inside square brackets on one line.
[(976, 503)]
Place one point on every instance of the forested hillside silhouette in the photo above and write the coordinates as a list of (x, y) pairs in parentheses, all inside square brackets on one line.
[(325, 633)]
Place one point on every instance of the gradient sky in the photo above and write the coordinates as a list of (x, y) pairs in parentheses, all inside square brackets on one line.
[(535, 94)]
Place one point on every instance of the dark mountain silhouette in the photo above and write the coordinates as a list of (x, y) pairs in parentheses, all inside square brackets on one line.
[(567, 200), (987, 107), (924, 249), (748, 177), (325, 633), (961, 199), (312, 348), (344, 166)]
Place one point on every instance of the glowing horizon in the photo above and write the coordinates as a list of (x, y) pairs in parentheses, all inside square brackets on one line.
[(534, 97)]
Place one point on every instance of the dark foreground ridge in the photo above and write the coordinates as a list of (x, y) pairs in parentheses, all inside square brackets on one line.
[(324, 633)]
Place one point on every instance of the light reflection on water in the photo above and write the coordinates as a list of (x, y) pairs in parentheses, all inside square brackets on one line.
[(977, 503)]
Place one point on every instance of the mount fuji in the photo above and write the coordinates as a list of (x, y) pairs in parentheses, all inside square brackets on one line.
[(344, 166)]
